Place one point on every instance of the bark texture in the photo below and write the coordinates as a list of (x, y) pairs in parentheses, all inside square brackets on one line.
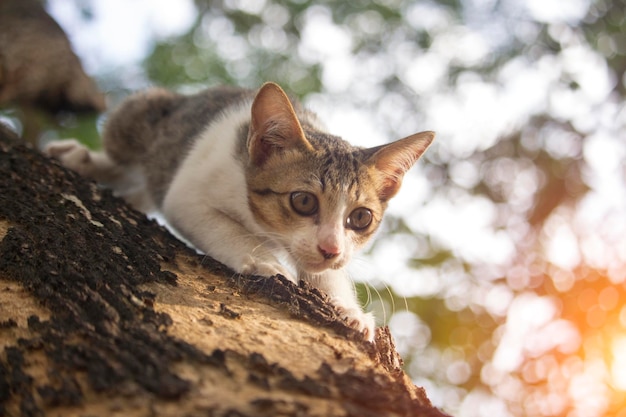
[(104, 313)]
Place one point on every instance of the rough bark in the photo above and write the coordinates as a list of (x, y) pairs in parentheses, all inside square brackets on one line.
[(104, 313)]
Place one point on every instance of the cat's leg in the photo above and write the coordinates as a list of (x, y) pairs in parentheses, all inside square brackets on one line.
[(126, 181), (220, 235), (238, 248), (338, 286), (77, 157)]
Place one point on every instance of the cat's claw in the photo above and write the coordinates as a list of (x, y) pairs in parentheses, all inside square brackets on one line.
[(359, 320)]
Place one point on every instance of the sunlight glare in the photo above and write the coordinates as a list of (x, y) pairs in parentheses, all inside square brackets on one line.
[(618, 367)]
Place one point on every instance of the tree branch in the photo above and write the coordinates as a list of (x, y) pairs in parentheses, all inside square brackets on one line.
[(103, 312)]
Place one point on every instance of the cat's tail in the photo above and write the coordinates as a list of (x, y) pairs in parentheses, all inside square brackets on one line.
[(131, 129)]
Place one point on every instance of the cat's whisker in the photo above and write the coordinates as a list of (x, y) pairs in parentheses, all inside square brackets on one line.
[(382, 304), (375, 288), (368, 291), (260, 250), (392, 297), (406, 303)]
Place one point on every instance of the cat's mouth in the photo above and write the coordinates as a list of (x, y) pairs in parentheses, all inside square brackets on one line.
[(317, 266)]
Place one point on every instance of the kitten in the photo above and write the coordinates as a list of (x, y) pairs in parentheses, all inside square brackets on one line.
[(251, 179)]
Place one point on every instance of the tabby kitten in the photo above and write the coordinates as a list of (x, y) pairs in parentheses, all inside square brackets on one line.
[(252, 180)]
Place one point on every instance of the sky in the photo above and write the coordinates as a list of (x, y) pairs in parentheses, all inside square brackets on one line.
[(122, 32)]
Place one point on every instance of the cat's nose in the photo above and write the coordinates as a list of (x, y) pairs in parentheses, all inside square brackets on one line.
[(329, 253)]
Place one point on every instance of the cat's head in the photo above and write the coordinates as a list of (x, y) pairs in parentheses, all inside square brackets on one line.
[(317, 195)]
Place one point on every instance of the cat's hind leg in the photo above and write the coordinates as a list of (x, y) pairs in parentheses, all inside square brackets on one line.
[(126, 181), (77, 157)]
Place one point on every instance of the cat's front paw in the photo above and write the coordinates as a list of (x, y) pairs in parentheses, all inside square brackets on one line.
[(71, 153), (266, 269), (358, 320)]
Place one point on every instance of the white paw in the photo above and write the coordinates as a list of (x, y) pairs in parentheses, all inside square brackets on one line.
[(358, 320), (72, 154), (266, 269)]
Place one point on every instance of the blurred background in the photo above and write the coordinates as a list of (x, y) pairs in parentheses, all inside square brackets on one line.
[(501, 267)]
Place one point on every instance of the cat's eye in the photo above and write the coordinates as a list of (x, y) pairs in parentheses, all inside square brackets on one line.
[(359, 219), (304, 203)]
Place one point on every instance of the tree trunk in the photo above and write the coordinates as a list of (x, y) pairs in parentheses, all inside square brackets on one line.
[(104, 313)]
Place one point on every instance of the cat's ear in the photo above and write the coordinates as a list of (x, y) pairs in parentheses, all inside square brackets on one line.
[(274, 126), (390, 162)]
